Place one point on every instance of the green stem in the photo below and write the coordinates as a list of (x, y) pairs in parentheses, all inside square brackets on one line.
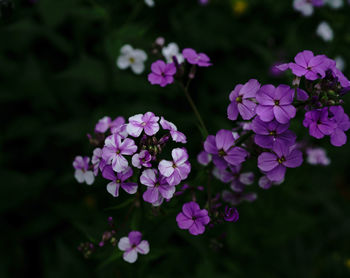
[(195, 110)]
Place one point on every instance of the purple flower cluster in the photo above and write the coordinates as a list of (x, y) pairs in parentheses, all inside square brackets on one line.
[(266, 112), (163, 74), (124, 146)]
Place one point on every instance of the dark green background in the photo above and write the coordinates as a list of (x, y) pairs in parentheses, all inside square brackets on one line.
[(58, 77)]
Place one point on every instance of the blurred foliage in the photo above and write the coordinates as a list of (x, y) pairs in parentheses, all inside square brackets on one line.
[(58, 77)]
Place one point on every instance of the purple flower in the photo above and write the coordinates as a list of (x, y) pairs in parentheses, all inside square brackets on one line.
[(317, 156), (97, 161), (231, 214), (193, 218), (242, 100), (114, 149), (265, 183), (147, 123), (236, 198), (132, 245), (157, 186), (223, 150), (267, 135), (318, 123), (142, 159), (204, 158), (162, 73), (118, 180), (118, 126), (103, 124), (82, 173), (238, 180), (194, 58), (275, 103), (338, 136), (308, 65), (176, 135), (175, 170), (274, 164)]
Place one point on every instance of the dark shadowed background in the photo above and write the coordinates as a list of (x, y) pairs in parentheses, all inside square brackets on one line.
[(58, 77)]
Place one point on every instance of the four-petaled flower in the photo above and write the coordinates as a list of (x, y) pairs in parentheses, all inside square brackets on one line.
[(118, 180), (82, 172), (242, 100), (318, 123), (162, 74), (142, 159), (130, 57), (275, 103), (338, 136), (132, 245), (194, 58), (176, 135), (193, 218), (114, 149), (223, 149), (158, 188), (274, 163), (147, 123), (175, 170), (269, 134)]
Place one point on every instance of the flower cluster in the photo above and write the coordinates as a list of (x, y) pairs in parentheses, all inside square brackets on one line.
[(264, 133), (163, 73), (123, 147)]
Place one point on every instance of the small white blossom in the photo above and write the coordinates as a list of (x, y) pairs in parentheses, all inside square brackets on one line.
[(305, 7), (149, 3), (134, 58), (325, 31), (171, 50)]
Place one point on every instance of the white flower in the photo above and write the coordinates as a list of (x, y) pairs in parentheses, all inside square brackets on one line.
[(84, 176), (171, 50), (149, 3), (133, 58), (325, 31), (335, 4), (305, 7), (340, 63)]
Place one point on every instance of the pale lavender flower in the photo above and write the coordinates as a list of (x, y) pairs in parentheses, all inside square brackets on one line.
[(130, 57), (147, 123), (157, 186), (176, 135), (114, 150), (103, 124), (132, 246), (243, 100), (177, 170), (82, 172), (317, 156), (193, 218), (97, 161), (118, 180), (237, 179)]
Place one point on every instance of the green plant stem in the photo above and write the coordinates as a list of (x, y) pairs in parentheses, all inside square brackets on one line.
[(195, 110)]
